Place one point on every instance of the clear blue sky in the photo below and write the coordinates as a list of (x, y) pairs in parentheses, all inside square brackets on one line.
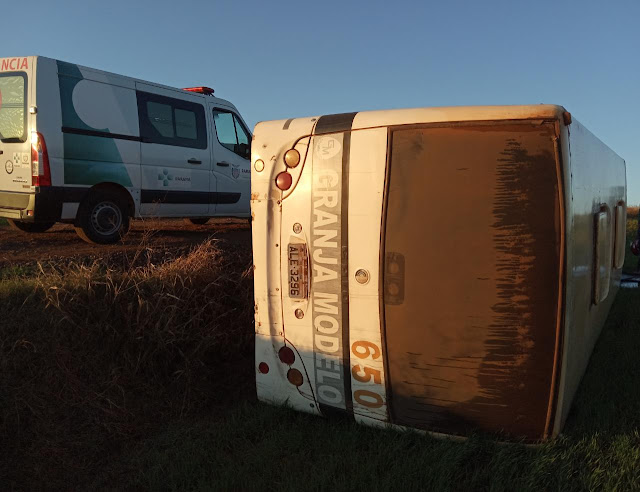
[(279, 59)]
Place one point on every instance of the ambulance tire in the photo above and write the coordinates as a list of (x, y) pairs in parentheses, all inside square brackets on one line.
[(198, 221), (102, 218), (32, 227)]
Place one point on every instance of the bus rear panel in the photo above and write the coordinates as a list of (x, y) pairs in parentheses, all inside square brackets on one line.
[(413, 269)]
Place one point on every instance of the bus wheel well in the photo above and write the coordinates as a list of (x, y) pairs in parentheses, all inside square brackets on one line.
[(118, 190)]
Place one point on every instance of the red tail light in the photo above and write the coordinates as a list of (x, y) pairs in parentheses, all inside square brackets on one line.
[(286, 355), (295, 377), (284, 181), (40, 170)]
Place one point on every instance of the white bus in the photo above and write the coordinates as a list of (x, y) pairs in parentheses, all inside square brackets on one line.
[(95, 149), (443, 269)]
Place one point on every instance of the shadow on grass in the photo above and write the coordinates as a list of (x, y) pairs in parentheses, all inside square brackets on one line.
[(258, 447), (98, 354)]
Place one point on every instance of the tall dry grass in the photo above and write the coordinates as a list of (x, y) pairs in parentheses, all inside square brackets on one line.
[(100, 353)]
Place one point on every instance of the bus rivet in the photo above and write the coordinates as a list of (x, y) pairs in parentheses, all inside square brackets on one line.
[(297, 228), (299, 313), (362, 276)]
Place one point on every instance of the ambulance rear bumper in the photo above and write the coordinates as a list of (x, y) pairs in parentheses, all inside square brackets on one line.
[(42, 205)]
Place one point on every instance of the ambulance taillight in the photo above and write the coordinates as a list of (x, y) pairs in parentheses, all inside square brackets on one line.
[(40, 170)]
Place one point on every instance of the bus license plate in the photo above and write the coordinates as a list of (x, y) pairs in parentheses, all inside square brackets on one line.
[(297, 254)]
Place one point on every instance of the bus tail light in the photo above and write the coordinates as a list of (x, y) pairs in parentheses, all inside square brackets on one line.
[(286, 355), (40, 170), (291, 158), (284, 181), (263, 367), (295, 377)]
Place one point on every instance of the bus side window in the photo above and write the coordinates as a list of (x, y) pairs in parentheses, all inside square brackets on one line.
[(620, 235), (602, 255)]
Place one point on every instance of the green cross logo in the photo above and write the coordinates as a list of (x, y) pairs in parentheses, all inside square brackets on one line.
[(165, 177)]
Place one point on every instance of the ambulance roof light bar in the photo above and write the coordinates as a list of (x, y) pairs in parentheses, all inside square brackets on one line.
[(207, 91)]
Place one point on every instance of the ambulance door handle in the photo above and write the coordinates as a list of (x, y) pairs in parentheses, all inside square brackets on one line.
[(223, 164), (194, 161)]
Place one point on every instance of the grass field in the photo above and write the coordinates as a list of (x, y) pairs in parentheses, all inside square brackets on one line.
[(137, 373), (256, 447), (631, 262)]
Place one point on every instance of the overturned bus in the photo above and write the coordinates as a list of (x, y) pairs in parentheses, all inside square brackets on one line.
[(442, 269)]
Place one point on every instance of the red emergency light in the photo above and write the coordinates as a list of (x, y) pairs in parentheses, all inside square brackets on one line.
[(207, 91)]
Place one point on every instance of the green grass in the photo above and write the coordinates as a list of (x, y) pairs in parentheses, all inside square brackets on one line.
[(258, 447), (630, 261), (96, 355), (138, 373), (17, 272)]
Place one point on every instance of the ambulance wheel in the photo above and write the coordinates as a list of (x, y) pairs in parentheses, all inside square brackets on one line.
[(198, 221), (102, 218), (30, 226)]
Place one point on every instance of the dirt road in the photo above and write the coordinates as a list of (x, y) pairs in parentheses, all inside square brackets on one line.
[(61, 240)]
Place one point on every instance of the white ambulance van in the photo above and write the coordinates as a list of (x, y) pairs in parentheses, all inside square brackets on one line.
[(96, 149)]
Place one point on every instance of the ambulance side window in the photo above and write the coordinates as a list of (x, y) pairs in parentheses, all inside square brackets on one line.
[(169, 121), (231, 133)]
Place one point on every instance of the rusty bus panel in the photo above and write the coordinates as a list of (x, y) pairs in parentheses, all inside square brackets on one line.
[(475, 349)]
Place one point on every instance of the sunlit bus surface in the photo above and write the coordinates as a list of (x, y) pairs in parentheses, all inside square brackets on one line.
[(443, 269)]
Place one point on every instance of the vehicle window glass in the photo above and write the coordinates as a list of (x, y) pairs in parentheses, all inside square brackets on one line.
[(619, 245), (186, 124), (225, 129), (161, 117), (12, 108), (602, 256), (171, 121), (243, 139)]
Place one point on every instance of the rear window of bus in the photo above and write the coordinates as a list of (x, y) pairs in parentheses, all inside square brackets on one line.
[(13, 104)]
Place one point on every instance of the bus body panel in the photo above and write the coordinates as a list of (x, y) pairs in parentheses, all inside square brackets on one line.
[(366, 197), (533, 259), (595, 178), (473, 230), (268, 234), (90, 122), (421, 116)]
